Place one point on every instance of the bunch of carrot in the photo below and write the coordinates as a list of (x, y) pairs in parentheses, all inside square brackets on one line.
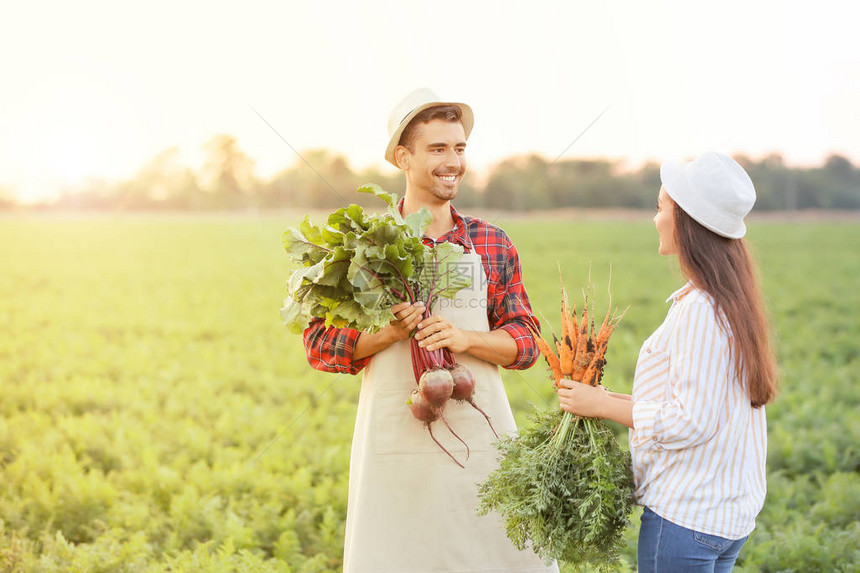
[(563, 486), (581, 351)]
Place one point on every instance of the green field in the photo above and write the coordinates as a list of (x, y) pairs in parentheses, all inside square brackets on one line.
[(155, 415)]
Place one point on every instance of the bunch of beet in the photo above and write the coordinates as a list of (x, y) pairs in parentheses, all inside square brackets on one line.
[(440, 379)]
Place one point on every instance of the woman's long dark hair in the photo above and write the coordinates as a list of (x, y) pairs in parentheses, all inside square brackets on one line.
[(724, 269)]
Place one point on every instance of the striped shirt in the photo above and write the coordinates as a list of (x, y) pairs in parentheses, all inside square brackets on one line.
[(698, 447)]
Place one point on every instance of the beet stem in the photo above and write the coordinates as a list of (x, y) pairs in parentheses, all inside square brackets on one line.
[(448, 358), (430, 429), (475, 406), (450, 429), (416, 371)]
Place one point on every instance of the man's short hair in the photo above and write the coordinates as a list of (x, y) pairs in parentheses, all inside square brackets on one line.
[(449, 113)]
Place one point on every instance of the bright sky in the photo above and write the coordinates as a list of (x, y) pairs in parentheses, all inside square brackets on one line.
[(95, 89)]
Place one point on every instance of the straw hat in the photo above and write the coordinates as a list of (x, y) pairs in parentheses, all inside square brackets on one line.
[(412, 105), (713, 189)]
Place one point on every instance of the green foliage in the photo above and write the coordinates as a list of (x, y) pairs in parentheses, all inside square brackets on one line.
[(156, 412), (360, 264), (564, 488), (321, 179)]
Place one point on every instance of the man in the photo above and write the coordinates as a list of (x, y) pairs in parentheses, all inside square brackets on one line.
[(411, 508)]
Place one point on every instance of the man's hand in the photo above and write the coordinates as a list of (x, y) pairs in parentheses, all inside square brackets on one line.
[(436, 332), (407, 315), (406, 318)]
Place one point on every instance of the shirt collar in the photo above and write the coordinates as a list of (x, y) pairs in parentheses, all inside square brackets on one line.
[(456, 235), (681, 292)]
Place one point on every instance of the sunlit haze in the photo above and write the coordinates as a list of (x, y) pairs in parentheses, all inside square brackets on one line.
[(95, 89)]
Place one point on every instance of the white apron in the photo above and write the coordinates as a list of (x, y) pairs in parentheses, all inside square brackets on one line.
[(411, 508)]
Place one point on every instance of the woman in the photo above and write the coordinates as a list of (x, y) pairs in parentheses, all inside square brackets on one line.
[(698, 435)]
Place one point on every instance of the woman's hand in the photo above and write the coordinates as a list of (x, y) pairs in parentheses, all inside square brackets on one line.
[(582, 399)]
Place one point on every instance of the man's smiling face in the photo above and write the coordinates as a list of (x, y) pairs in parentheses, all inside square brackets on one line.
[(437, 162)]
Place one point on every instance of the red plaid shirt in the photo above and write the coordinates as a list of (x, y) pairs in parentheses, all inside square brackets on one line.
[(331, 349)]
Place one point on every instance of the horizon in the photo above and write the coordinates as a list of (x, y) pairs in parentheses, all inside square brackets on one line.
[(477, 175)]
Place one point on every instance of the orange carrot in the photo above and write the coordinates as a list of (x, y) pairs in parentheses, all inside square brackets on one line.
[(593, 334), (565, 353), (574, 326), (594, 372), (549, 355), (562, 351), (608, 318), (604, 332), (566, 347), (580, 359), (565, 309), (608, 326)]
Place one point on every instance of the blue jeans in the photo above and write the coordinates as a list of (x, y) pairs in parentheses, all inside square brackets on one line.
[(668, 548)]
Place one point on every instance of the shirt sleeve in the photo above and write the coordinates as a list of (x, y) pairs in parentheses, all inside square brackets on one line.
[(699, 373), (331, 349), (512, 312)]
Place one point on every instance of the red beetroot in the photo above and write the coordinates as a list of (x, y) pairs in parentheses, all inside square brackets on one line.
[(427, 413), (436, 386), (464, 390), (464, 382), (421, 409)]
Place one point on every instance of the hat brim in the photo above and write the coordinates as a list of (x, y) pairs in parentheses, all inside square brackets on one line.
[(467, 118)]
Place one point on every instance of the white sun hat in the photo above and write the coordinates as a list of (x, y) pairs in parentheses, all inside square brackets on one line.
[(713, 189), (412, 105)]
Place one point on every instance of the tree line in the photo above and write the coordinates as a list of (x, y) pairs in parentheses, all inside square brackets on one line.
[(321, 179)]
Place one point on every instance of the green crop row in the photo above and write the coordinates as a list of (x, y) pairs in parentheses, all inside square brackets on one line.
[(157, 417)]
